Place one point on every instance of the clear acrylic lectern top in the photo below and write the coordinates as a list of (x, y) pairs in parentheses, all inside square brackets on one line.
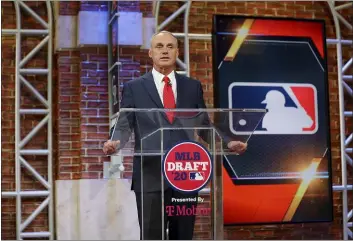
[(134, 126)]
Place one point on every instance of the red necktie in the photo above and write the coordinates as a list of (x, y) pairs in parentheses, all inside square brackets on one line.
[(168, 98)]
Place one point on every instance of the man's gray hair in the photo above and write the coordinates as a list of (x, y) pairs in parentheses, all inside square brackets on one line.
[(164, 31)]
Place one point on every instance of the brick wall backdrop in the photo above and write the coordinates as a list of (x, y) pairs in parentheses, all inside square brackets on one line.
[(68, 97), (80, 95)]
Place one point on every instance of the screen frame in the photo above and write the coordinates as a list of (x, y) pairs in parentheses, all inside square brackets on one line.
[(216, 98)]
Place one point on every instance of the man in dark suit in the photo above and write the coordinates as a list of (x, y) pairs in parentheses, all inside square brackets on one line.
[(160, 88)]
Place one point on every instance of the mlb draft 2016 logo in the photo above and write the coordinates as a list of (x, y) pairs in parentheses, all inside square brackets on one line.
[(187, 167), (291, 108)]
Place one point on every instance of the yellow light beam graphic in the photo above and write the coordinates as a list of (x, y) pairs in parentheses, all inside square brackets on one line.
[(308, 175), (242, 33)]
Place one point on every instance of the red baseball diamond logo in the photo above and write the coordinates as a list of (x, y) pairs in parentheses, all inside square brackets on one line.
[(187, 167)]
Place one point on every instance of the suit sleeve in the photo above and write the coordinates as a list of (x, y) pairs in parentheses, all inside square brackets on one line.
[(205, 134), (125, 122)]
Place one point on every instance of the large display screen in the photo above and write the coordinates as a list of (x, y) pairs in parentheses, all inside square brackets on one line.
[(278, 65)]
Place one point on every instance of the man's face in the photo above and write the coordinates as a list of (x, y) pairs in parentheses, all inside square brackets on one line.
[(164, 50)]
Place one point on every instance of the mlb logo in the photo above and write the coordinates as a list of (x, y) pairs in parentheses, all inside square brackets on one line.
[(291, 108), (197, 176)]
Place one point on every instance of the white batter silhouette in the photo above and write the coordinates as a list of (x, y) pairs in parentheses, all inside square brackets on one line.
[(281, 119)]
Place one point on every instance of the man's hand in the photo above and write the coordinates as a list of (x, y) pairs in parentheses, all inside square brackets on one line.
[(237, 147), (110, 147)]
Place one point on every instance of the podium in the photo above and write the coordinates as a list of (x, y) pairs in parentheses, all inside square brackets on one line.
[(177, 165)]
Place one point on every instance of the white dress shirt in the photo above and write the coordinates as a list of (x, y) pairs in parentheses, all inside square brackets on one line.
[(158, 80)]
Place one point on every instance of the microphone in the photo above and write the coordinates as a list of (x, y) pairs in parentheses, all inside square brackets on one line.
[(169, 82)]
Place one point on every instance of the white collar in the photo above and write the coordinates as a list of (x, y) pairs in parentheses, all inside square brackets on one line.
[(159, 76)]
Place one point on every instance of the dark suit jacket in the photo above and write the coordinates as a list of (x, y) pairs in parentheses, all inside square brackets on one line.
[(141, 93)]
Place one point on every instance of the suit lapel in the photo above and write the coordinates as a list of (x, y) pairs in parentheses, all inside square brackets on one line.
[(152, 90)]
